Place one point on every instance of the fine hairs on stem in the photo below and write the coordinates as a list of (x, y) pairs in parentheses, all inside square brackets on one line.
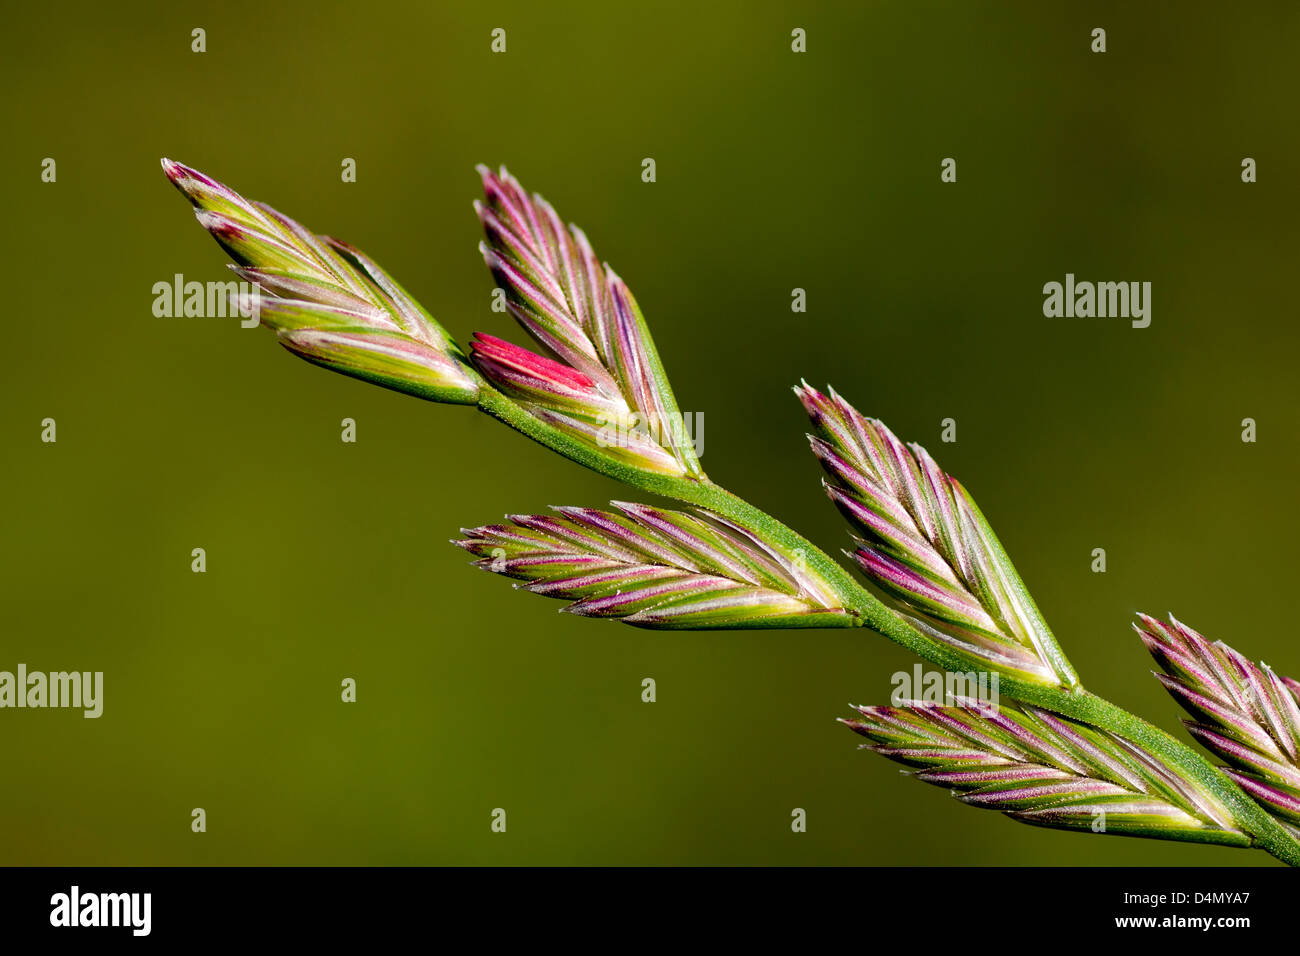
[(1049, 753)]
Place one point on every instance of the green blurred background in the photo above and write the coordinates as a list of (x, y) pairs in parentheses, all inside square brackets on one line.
[(775, 170)]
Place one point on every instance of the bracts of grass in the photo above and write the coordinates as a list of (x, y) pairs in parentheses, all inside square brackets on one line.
[(939, 582)]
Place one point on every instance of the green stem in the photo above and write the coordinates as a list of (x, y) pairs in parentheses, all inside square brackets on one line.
[(1073, 702)]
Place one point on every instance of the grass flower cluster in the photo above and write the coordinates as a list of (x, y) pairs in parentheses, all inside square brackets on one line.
[(1049, 754)]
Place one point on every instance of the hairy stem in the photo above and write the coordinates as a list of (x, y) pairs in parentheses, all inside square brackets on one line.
[(872, 613)]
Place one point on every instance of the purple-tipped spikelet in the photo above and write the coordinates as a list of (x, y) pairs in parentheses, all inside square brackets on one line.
[(927, 545), (328, 302), (1244, 712), (1040, 768), (656, 569), (583, 314)]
